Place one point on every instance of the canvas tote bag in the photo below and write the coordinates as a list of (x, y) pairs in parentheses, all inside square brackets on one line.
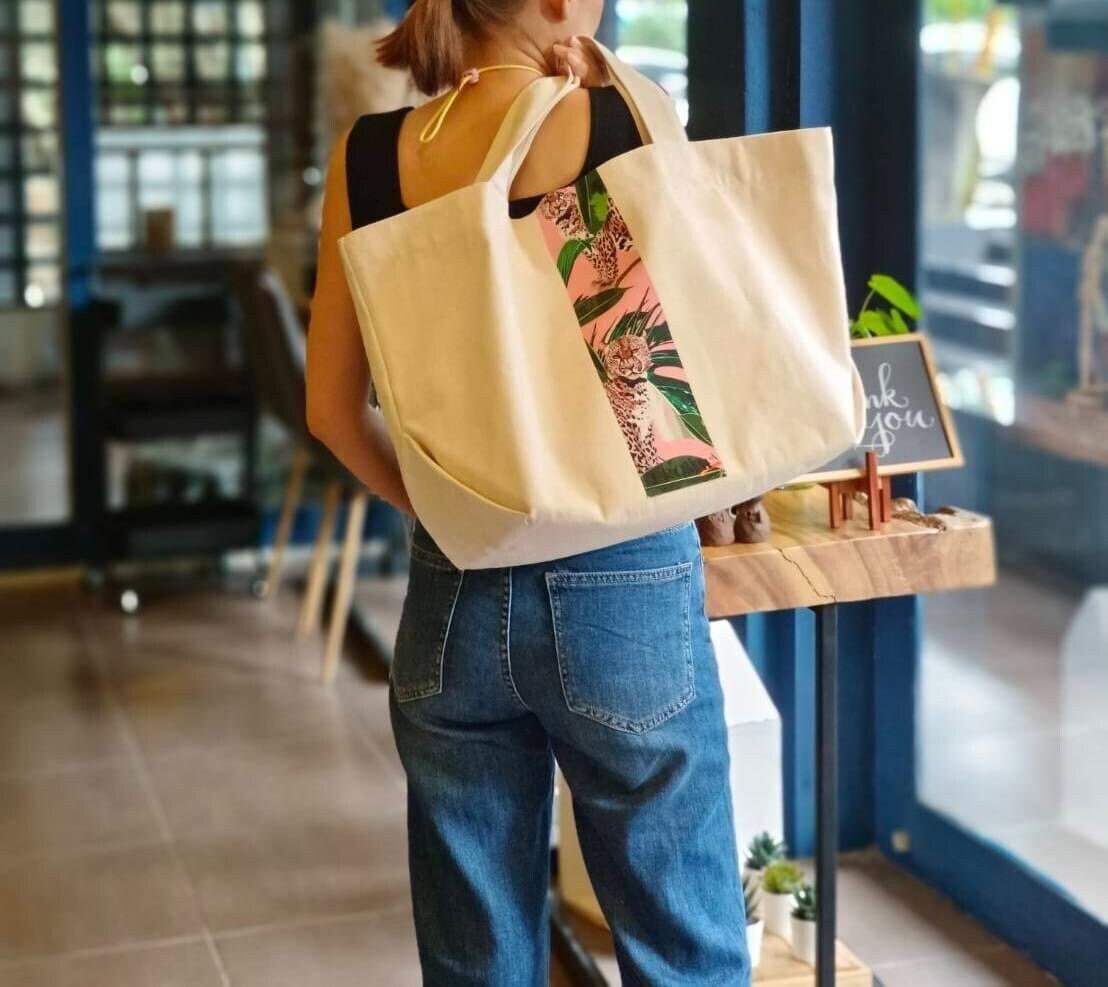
[(663, 339)]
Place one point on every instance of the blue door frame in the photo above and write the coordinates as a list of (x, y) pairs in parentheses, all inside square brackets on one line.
[(34, 545)]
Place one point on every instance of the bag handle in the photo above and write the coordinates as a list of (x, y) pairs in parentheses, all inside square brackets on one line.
[(649, 104)]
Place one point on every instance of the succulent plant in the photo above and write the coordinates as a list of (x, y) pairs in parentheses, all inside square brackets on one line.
[(752, 898), (763, 851), (782, 877), (804, 903)]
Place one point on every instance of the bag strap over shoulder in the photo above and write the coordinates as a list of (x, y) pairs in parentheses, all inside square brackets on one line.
[(650, 106)]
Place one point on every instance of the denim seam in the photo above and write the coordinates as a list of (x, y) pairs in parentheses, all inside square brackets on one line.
[(432, 559), (433, 687), (619, 577), (506, 640), (605, 717)]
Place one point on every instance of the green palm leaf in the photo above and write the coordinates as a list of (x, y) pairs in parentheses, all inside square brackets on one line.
[(596, 305), (895, 294), (665, 358), (592, 198), (599, 364), (681, 471), (567, 257), (628, 324), (679, 394), (659, 334)]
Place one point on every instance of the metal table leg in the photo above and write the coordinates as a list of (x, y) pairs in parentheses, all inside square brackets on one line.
[(827, 788)]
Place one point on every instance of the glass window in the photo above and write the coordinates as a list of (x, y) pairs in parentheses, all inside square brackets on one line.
[(120, 61), (124, 17), (36, 16), (209, 17), (653, 37), (251, 18), (250, 62), (41, 195), (167, 62), (39, 108), (167, 17), (1014, 281), (43, 241), (192, 81), (39, 62)]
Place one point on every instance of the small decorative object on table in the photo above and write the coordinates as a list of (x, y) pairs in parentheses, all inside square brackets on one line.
[(804, 924), (755, 924), (779, 880), (751, 522), (717, 529), (762, 851), (745, 524)]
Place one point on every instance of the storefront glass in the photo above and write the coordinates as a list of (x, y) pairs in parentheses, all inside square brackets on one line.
[(1012, 724), (652, 36)]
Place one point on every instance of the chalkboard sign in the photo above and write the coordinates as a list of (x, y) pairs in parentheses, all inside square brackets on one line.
[(907, 424)]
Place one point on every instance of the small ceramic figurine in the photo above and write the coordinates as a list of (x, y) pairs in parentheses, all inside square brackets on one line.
[(751, 522), (746, 524), (717, 529)]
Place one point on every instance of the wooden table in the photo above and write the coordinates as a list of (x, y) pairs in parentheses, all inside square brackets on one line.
[(806, 564)]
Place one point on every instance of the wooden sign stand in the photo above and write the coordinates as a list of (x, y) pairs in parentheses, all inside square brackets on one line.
[(878, 488)]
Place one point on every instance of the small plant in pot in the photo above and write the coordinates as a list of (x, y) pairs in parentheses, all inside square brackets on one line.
[(763, 851), (804, 924), (755, 924), (779, 881)]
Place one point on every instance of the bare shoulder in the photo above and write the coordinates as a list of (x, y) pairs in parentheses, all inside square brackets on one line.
[(560, 148)]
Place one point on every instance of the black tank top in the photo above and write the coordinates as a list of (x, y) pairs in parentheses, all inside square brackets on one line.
[(373, 173)]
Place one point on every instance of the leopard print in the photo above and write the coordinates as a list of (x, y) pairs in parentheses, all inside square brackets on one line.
[(626, 362), (603, 251)]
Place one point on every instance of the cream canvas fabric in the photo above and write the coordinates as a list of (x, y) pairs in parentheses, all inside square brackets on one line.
[(664, 339)]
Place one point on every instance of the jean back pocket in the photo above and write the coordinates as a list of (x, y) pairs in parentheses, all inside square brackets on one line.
[(623, 643)]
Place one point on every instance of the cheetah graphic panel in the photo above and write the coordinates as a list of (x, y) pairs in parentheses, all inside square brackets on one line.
[(625, 330)]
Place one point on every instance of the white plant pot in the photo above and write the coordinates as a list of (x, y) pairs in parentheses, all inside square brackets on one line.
[(755, 875), (754, 933), (777, 909), (804, 940)]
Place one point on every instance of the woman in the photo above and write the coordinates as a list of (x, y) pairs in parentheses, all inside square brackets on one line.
[(602, 660)]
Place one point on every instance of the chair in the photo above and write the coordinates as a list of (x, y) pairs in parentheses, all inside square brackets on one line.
[(275, 337)]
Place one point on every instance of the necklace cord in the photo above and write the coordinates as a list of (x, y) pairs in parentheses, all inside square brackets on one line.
[(469, 77)]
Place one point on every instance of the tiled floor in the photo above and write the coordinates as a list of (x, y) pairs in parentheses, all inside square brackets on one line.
[(183, 806), (1014, 725)]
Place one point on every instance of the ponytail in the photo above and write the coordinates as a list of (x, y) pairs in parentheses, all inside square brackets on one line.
[(430, 41)]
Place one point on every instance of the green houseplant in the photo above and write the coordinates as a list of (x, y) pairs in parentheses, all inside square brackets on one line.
[(762, 851), (779, 880), (900, 305), (804, 923), (755, 924)]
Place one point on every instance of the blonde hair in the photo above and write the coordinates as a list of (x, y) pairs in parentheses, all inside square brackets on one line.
[(429, 41)]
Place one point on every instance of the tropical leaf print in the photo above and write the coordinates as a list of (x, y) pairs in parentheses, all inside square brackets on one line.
[(588, 309), (682, 471), (628, 337), (567, 257)]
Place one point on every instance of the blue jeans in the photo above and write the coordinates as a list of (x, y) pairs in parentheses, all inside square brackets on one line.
[(602, 661)]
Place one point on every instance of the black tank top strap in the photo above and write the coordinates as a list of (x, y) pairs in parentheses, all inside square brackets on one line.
[(372, 172)]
